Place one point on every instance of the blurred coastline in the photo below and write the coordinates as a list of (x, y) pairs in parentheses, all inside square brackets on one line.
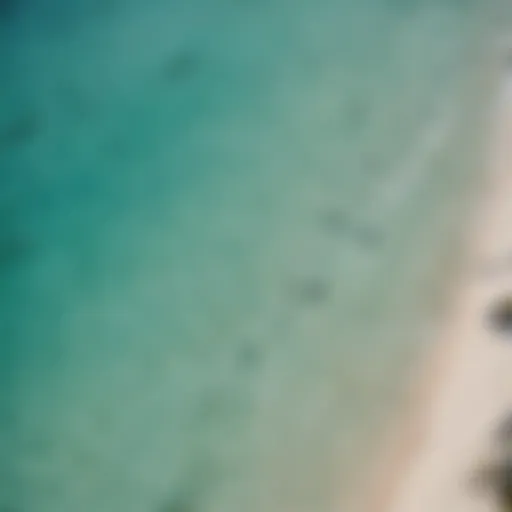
[(226, 235), (446, 434)]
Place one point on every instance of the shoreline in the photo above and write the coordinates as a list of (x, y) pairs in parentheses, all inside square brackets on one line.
[(405, 448)]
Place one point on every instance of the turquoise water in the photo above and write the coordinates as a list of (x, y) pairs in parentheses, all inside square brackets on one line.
[(223, 231)]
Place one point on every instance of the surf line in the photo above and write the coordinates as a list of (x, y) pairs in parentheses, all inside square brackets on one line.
[(409, 176)]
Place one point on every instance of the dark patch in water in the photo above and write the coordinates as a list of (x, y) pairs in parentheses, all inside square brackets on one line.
[(180, 66), (178, 505), (20, 131), (13, 249), (8, 9), (249, 356), (334, 221), (368, 237), (193, 491), (338, 223), (312, 291)]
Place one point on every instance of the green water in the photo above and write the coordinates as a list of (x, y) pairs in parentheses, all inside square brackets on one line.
[(223, 230)]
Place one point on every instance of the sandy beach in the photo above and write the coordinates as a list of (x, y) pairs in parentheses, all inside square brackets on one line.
[(465, 387)]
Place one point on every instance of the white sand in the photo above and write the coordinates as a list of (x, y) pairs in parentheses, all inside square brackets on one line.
[(449, 434)]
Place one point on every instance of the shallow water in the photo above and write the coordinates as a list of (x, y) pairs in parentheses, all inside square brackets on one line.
[(222, 232)]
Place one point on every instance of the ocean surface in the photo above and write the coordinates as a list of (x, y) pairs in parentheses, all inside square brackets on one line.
[(225, 227)]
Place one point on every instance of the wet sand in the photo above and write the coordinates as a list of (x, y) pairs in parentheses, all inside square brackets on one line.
[(447, 434)]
